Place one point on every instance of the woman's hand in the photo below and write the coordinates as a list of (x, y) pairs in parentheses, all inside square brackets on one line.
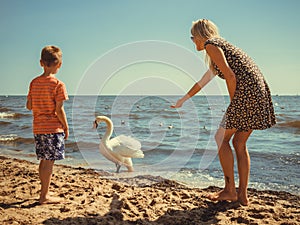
[(178, 104)]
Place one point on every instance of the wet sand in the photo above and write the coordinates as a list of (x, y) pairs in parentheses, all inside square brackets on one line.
[(89, 198)]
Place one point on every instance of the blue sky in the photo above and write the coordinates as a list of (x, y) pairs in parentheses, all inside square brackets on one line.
[(86, 30)]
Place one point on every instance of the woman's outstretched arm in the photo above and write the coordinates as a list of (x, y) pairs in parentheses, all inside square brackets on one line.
[(206, 78)]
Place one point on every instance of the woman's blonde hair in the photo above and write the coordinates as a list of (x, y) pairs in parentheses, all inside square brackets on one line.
[(205, 29)]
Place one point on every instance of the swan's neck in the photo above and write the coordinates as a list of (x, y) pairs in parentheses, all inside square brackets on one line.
[(109, 130)]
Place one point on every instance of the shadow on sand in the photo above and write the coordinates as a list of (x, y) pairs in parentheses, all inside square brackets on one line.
[(195, 216)]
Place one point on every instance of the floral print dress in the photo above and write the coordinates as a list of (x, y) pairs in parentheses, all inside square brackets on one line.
[(251, 107)]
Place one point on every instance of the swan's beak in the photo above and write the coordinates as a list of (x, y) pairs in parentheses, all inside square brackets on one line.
[(95, 125)]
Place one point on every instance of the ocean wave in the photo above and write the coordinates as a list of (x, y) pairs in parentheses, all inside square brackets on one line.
[(161, 149), (292, 159), (70, 146), (276, 159), (4, 109), (114, 116), (293, 124), (25, 127), (8, 138), (13, 138), (10, 115), (76, 146), (4, 123)]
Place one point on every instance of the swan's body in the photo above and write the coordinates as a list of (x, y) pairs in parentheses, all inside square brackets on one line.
[(120, 149)]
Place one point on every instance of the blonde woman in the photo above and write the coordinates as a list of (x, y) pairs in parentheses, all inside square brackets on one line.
[(250, 105)]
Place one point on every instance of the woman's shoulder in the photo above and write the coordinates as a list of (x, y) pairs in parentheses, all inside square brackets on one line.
[(215, 41), (222, 43)]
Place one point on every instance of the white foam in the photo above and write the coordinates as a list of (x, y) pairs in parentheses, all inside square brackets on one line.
[(8, 137), (7, 115)]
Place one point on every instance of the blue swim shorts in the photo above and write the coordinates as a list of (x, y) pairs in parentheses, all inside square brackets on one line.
[(50, 146)]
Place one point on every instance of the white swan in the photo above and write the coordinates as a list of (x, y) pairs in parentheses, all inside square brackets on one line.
[(120, 149)]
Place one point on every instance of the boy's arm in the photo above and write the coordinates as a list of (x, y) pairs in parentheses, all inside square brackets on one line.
[(60, 112), (29, 104)]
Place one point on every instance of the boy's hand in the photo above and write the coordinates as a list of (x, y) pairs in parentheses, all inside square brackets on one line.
[(66, 131)]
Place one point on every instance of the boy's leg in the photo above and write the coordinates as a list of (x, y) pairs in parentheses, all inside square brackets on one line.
[(49, 147), (45, 173)]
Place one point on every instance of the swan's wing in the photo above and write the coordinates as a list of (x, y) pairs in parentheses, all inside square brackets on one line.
[(129, 142), (129, 153), (126, 146)]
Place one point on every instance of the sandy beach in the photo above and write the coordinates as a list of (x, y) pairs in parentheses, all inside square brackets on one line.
[(88, 198)]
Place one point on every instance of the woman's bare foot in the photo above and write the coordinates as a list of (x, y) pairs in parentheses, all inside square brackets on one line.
[(50, 200), (223, 195), (243, 200)]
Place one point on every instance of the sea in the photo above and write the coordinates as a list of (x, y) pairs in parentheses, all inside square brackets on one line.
[(178, 144)]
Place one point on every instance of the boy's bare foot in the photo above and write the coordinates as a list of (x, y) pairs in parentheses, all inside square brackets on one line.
[(223, 196), (50, 200)]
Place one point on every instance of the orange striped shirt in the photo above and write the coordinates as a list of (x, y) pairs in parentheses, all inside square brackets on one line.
[(44, 92)]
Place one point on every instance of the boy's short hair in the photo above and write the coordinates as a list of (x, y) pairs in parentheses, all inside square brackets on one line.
[(51, 55)]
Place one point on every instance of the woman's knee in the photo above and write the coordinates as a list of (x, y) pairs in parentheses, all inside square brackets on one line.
[(218, 138), (238, 144), (221, 138), (240, 138)]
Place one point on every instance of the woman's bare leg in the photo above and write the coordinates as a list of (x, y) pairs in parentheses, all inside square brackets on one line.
[(226, 158), (243, 162)]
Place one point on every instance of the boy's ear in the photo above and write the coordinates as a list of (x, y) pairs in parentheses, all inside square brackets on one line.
[(41, 63)]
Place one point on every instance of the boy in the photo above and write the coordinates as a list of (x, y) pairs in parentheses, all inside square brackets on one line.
[(50, 127)]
